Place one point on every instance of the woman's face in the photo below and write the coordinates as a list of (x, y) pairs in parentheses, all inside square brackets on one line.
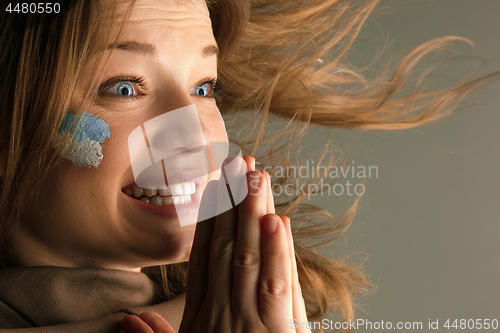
[(84, 218)]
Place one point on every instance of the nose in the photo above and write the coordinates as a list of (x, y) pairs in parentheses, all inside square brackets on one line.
[(178, 130), (167, 136)]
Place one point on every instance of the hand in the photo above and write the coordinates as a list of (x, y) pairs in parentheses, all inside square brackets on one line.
[(242, 271)]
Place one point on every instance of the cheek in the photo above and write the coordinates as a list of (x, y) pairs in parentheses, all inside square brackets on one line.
[(88, 133)]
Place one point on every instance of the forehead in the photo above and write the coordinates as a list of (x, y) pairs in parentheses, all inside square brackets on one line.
[(164, 9), (163, 19)]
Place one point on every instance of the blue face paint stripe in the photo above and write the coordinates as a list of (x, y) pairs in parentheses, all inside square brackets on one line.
[(89, 127), (88, 132), (66, 125), (96, 129)]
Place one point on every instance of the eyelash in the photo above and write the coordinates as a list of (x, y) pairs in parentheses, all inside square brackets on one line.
[(141, 82)]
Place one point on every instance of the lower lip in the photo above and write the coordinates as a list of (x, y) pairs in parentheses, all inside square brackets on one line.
[(172, 211)]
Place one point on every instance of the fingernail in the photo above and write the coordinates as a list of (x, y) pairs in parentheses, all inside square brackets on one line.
[(288, 225), (271, 224)]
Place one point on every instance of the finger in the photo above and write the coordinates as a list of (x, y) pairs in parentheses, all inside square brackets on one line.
[(299, 307), (224, 235), (156, 322), (269, 194), (250, 161), (134, 324), (197, 283), (247, 254), (275, 281)]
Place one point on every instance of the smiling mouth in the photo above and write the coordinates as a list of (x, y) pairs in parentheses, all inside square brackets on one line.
[(164, 195)]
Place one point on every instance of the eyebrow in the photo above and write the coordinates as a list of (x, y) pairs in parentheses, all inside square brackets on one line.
[(151, 50)]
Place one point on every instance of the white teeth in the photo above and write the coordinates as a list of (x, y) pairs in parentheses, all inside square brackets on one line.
[(183, 189), (176, 189), (156, 200), (137, 192), (174, 194), (159, 201), (149, 192), (189, 188), (178, 199), (164, 192), (167, 200), (181, 199)]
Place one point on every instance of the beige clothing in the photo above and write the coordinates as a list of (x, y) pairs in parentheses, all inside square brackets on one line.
[(90, 300)]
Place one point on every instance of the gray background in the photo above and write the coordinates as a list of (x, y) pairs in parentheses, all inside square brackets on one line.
[(430, 222)]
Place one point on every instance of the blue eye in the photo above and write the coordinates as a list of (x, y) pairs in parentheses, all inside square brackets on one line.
[(207, 89), (124, 89), (202, 90)]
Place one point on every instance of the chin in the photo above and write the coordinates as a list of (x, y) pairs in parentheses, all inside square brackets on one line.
[(172, 248)]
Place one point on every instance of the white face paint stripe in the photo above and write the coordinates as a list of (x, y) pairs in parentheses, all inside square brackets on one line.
[(87, 133)]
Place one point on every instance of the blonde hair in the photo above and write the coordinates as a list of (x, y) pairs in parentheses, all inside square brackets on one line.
[(41, 58), (278, 57)]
